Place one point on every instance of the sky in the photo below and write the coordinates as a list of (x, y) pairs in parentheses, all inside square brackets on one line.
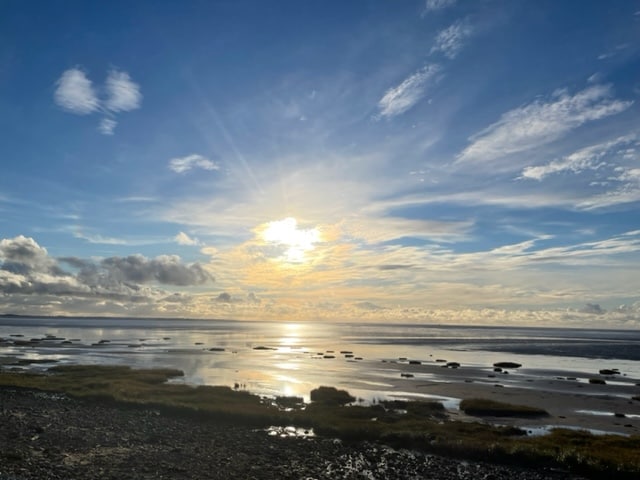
[(433, 161)]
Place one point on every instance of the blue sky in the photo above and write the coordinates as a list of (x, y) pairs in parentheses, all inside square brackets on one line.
[(433, 161)]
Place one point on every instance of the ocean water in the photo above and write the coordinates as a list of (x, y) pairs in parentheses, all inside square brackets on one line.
[(284, 358)]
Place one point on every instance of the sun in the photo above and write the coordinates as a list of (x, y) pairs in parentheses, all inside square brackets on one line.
[(296, 242)]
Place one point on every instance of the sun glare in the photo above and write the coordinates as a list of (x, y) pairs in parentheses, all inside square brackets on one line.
[(297, 242)]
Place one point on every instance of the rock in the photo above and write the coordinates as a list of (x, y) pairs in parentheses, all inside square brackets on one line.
[(216, 349), (453, 365), (597, 381), (507, 365), (415, 362), (606, 371), (407, 375)]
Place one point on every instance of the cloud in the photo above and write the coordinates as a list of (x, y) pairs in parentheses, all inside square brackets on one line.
[(540, 122), (184, 164), (434, 5), (184, 239), (27, 270), (107, 126), (164, 269), (588, 158), (401, 98), (123, 94), (75, 93), (593, 309), (451, 40), (224, 297)]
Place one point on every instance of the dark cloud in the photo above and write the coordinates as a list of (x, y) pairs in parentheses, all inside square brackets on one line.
[(367, 306), (224, 297), (165, 269), (593, 309), (28, 275)]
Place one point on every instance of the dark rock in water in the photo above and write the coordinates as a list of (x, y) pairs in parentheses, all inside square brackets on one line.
[(18, 335), (497, 369), (402, 359), (453, 364), (415, 362), (619, 415), (358, 358), (597, 381), (345, 352), (201, 343), (216, 349), (441, 360), (262, 347), (407, 375), (491, 375), (507, 365), (166, 338), (348, 355), (328, 356), (104, 341), (606, 371)]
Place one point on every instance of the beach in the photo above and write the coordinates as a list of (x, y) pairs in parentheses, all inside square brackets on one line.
[(52, 436)]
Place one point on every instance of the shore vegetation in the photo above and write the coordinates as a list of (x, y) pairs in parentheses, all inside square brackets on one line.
[(418, 425)]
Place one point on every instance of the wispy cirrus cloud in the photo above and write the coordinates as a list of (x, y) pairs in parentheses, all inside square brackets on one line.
[(124, 94), (75, 93), (451, 40), (107, 126), (435, 5), (403, 97), (588, 158), (541, 122), (184, 164)]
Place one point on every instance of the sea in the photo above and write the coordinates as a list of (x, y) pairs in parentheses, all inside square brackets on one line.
[(291, 358)]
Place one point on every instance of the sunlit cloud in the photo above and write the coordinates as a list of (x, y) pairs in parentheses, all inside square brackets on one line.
[(184, 239), (296, 242), (541, 122), (403, 97)]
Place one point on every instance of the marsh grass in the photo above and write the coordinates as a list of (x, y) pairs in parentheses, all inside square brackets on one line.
[(484, 407), (419, 425)]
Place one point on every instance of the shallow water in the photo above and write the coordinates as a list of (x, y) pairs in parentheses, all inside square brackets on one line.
[(290, 358)]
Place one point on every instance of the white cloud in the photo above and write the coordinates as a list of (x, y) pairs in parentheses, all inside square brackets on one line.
[(589, 158), (540, 122), (184, 164), (75, 93), (401, 98), (433, 5), (451, 40), (107, 126), (123, 94), (184, 239)]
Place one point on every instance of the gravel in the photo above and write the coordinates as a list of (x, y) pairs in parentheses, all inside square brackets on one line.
[(51, 436)]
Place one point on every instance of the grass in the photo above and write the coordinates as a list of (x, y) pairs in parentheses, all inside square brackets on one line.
[(483, 407), (418, 425)]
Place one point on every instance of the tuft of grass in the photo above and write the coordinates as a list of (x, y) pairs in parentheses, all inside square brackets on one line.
[(331, 396), (484, 407)]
